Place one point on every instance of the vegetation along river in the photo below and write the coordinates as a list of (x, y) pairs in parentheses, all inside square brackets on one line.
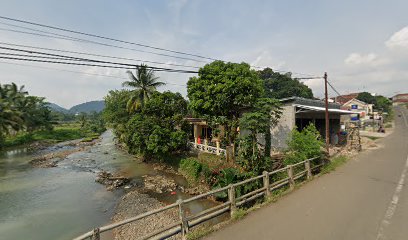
[(64, 201)]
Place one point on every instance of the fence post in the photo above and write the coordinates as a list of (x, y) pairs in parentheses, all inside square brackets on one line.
[(184, 223), (205, 145), (96, 234), (266, 184), (231, 198), (308, 169), (218, 147), (290, 175)]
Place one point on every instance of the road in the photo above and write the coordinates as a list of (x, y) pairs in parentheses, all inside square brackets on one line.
[(367, 198)]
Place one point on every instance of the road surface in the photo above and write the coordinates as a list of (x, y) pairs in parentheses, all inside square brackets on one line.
[(367, 198)]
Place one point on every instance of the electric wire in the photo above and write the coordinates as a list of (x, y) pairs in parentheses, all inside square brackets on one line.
[(93, 60), (91, 65), (65, 37), (97, 55), (79, 72), (105, 38)]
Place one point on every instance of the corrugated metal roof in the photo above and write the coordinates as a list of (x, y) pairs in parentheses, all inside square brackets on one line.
[(322, 109), (309, 102)]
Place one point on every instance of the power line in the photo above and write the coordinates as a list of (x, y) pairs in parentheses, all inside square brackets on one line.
[(334, 89), (90, 65), (97, 55), (86, 73), (79, 72), (106, 38), (95, 61), (64, 37)]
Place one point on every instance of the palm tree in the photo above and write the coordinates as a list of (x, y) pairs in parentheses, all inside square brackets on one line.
[(144, 84), (10, 115)]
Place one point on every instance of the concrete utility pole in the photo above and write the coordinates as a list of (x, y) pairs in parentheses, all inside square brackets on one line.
[(326, 113)]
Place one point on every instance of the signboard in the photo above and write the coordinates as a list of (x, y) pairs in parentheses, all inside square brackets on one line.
[(354, 106), (354, 117)]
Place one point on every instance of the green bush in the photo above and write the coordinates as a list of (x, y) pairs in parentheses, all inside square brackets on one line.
[(191, 168), (303, 145)]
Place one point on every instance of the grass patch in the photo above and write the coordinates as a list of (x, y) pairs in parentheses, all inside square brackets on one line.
[(334, 163), (60, 133), (199, 233), (372, 138), (239, 213)]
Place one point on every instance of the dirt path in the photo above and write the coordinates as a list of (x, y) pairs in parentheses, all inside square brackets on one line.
[(367, 198)]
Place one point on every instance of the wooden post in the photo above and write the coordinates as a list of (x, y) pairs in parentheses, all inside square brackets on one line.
[(218, 147), (231, 198), (266, 184), (184, 223), (290, 175), (308, 169), (229, 154), (96, 234)]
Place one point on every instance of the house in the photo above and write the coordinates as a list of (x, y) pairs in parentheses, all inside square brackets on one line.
[(362, 110), (400, 99), (300, 112), (204, 137), (342, 99)]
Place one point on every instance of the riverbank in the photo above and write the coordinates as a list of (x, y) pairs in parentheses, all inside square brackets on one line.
[(139, 186), (44, 138)]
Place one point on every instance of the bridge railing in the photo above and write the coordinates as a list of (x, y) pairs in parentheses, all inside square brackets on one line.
[(267, 182)]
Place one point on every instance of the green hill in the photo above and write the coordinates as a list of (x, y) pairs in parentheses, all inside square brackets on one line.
[(88, 107)]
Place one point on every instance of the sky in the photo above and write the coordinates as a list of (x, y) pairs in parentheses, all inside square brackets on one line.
[(362, 45)]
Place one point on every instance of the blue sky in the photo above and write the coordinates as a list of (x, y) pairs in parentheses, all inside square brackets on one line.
[(363, 45)]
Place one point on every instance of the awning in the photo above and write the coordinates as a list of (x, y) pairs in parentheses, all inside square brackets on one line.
[(322, 109)]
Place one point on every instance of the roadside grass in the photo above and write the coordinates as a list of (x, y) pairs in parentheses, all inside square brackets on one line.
[(388, 125), (60, 133), (334, 163), (372, 137), (275, 196)]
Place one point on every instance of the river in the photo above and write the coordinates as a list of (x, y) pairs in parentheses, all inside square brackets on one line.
[(65, 201)]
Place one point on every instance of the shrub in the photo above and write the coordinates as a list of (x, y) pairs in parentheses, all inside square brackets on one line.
[(191, 168), (303, 145)]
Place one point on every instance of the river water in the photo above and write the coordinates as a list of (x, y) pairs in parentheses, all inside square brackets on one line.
[(65, 201)]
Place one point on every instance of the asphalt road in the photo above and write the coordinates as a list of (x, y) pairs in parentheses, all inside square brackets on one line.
[(367, 198)]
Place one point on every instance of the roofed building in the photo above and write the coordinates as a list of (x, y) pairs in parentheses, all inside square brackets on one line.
[(299, 113), (400, 99)]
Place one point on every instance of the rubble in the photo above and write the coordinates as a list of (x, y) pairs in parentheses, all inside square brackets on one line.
[(110, 181), (159, 183)]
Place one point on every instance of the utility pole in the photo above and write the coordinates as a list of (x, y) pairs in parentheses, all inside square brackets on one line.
[(326, 113)]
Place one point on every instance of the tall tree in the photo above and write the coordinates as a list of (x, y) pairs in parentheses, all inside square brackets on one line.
[(222, 92), (366, 97), (279, 85), (21, 112), (144, 83)]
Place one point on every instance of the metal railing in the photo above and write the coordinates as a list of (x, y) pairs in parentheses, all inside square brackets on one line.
[(290, 174)]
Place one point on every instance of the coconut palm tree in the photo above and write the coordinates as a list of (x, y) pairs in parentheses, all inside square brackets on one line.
[(10, 115), (144, 84)]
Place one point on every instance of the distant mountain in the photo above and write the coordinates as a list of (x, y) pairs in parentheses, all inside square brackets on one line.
[(88, 107), (57, 108)]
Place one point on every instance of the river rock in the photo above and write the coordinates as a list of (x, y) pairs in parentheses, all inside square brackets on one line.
[(159, 183), (110, 181)]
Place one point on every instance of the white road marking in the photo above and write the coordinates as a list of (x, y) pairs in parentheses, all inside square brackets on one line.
[(395, 198)]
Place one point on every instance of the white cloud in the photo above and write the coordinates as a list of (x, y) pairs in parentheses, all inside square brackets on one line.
[(357, 59), (265, 59), (398, 39)]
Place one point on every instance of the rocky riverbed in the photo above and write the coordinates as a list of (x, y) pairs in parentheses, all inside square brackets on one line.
[(143, 186), (135, 203)]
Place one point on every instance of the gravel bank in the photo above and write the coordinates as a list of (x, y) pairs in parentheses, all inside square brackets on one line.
[(135, 203)]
